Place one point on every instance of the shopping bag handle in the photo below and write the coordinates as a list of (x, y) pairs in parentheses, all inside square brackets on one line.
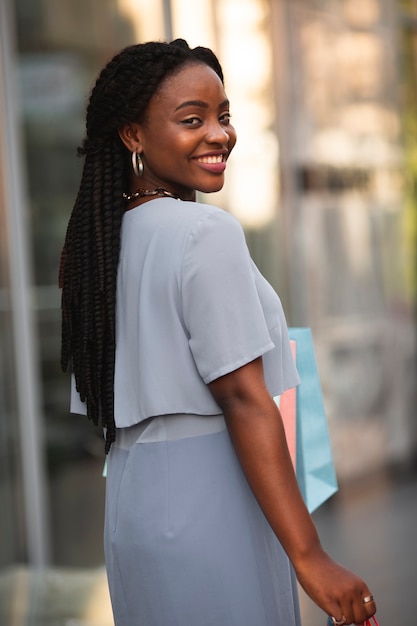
[(368, 622)]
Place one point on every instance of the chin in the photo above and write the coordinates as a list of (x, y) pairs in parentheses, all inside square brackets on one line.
[(211, 188)]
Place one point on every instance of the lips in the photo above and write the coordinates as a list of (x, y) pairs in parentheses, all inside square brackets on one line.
[(215, 163)]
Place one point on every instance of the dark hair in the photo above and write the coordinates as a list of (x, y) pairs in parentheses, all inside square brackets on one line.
[(88, 269)]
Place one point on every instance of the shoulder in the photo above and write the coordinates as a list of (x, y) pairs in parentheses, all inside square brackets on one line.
[(209, 220), (183, 225), (216, 237)]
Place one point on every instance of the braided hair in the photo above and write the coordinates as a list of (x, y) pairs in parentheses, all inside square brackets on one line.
[(89, 260)]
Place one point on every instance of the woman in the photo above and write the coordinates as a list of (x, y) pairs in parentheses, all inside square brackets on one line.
[(177, 345)]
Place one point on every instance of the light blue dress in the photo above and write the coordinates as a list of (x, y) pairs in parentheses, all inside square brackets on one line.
[(186, 543)]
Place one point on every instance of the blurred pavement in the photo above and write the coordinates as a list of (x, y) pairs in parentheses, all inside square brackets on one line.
[(371, 528)]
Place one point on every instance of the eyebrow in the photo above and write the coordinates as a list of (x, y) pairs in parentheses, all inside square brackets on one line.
[(199, 103)]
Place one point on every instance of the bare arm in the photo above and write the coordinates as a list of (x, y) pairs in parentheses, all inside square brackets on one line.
[(257, 432)]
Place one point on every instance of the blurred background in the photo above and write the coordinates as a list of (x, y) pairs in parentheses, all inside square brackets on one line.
[(324, 181)]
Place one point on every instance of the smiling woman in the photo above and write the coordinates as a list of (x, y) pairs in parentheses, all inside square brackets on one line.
[(177, 344)]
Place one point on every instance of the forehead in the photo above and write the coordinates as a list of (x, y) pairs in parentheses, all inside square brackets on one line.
[(192, 82)]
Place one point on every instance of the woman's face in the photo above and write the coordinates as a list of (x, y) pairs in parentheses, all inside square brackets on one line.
[(187, 136)]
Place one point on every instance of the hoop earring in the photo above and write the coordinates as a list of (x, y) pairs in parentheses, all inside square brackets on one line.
[(137, 164)]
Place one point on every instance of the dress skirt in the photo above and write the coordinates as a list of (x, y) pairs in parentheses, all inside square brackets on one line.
[(186, 543)]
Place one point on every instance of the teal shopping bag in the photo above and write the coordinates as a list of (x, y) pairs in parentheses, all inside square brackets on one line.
[(314, 461)]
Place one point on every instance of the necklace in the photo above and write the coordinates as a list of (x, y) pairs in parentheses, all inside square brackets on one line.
[(144, 193)]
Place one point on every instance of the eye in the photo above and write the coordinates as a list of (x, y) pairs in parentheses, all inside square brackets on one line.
[(225, 118), (191, 121)]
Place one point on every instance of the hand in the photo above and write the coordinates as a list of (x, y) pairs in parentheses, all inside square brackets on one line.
[(335, 589)]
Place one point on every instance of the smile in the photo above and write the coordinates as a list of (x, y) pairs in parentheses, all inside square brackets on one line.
[(211, 159), (212, 163)]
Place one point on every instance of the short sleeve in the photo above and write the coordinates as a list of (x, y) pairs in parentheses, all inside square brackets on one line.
[(221, 307)]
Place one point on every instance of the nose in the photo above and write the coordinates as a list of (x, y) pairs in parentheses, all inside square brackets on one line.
[(217, 133)]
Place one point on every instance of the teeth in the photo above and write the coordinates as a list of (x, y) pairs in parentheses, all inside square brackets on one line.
[(211, 159)]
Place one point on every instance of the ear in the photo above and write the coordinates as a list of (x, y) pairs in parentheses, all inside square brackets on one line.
[(130, 135)]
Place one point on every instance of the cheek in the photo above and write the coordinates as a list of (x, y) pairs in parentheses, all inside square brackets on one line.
[(172, 144)]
